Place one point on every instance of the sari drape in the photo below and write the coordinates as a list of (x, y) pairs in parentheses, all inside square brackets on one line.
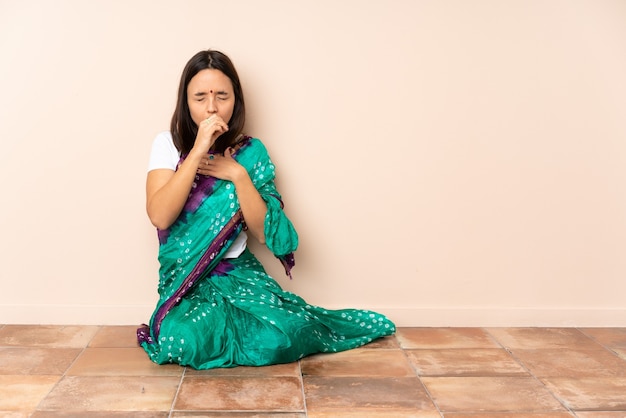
[(222, 312)]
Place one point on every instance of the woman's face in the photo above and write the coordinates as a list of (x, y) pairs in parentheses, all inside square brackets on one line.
[(210, 92)]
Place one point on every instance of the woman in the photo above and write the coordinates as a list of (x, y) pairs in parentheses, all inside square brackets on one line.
[(208, 188)]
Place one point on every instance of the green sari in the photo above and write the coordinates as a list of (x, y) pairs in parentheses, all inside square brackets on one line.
[(222, 312)]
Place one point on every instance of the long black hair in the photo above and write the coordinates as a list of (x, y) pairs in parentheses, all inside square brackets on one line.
[(183, 128)]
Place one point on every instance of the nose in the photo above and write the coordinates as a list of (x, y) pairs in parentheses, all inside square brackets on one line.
[(211, 105)]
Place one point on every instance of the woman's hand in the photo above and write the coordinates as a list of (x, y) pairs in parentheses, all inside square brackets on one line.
[(252, 205), (222, 167), (208, 131)]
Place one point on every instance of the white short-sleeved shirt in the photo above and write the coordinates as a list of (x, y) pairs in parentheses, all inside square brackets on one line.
[(165, 155)]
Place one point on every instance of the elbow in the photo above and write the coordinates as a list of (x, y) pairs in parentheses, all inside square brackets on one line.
[(159, 221), (160, 218), (159, 224), (259, 235)]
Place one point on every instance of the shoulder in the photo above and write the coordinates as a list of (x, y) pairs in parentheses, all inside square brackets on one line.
[(254, 145), (164, 138), (164, 141), (253, 154), (164, 153)]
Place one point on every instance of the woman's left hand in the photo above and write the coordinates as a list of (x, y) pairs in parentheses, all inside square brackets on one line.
[(222, 167), (253, 206)]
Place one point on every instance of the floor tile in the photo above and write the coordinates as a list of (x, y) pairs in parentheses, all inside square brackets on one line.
[(392, 413), (212, 414), (36, 361), (120, 362), (465, 362), (287, 369), (570, 362), (535, 338), (378, 394), (359, 362), (440, 338), (384, 342), (23, 393), (112, 393), (240, 393), (115, 336), (599, 393), (491, 394), (609, 337), (46, 336), (100, 414), (511, 415)]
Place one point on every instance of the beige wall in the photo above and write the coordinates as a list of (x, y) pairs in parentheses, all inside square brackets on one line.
[(453, 163)]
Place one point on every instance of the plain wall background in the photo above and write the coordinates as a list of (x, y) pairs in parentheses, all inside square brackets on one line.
[(446, 162)]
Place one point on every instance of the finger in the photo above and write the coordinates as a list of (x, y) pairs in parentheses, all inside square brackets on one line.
[(211, 127), (204, 162), (214, 119)]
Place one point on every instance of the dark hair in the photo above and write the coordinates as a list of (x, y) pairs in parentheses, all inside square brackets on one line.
[(183, 128)]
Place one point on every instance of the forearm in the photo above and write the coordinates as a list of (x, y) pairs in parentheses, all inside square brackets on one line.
[(166, 198), (252, 206)]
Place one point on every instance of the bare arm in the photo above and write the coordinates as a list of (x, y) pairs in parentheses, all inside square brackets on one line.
[(167, 190)]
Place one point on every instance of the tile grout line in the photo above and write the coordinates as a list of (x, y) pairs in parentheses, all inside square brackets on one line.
[(604, 346), (180, 384), (531, 374), (419, 378), (306, 412)]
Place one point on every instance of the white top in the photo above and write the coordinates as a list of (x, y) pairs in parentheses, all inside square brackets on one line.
[(165, 155)]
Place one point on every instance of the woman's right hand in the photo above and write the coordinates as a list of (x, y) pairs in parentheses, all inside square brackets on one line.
[(168, 190), (208, 131)]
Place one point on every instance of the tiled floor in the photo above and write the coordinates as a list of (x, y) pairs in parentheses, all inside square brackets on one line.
[(90, 371)]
